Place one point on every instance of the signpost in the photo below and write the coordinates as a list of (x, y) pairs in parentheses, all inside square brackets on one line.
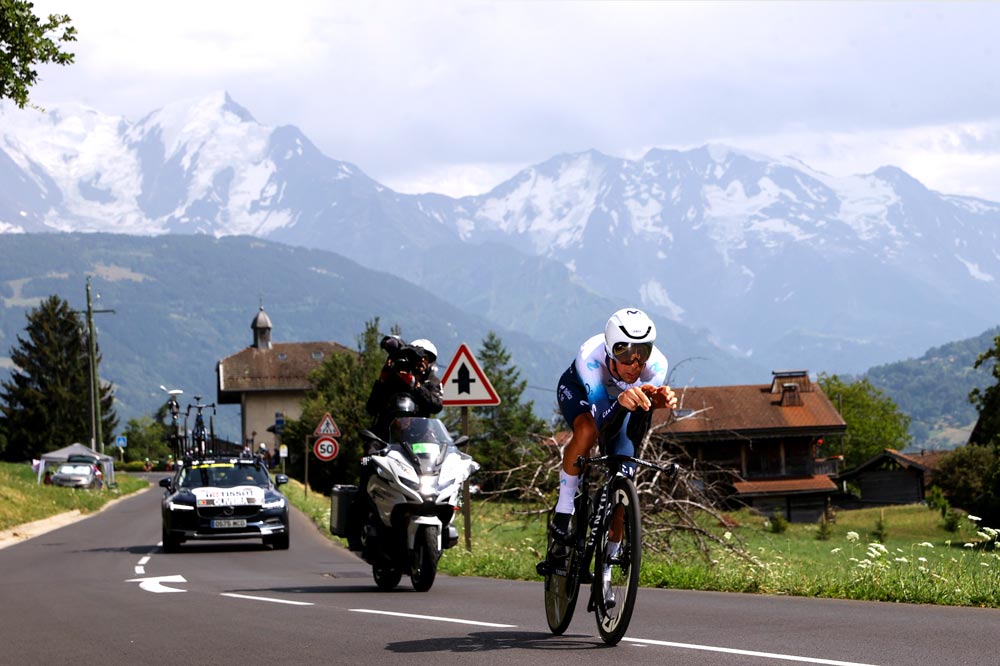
[(465, 384), (325, 446)]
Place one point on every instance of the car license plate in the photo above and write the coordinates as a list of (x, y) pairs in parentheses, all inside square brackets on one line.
[(229, 522)]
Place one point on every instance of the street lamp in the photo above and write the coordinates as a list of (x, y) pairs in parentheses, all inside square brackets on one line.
[(175, 411)]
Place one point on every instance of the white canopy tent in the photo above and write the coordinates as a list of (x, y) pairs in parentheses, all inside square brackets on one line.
[(60, 456)]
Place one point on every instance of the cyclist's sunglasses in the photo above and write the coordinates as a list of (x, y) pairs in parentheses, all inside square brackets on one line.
[(628, 353)]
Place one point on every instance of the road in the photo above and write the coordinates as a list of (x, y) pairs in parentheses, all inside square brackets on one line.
[(101, 591)]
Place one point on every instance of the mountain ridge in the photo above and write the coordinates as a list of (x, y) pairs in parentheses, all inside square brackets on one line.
[(775, 261)]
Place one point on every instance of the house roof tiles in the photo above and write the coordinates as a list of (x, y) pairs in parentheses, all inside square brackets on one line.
[(285, 366), (813, 484), (712, 412)]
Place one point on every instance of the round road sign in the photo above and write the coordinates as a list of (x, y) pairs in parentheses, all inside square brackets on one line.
[(326, 448)]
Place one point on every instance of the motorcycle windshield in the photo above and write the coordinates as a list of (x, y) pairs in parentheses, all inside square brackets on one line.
[(427, 439)]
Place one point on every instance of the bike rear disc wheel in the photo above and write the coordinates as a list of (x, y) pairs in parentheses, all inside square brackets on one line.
[(562, 587), (613, 619)]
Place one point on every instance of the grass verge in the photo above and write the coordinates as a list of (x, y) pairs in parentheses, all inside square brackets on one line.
[(918, 561), (24, 500)]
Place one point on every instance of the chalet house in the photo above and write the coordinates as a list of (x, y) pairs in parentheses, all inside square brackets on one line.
[(766, 436), (892, 477), (269, 381)]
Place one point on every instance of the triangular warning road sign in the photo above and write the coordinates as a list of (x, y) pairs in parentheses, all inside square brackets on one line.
[(327, 427), (464, 383)]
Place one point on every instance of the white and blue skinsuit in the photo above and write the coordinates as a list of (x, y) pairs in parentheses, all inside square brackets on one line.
[(588, 386)]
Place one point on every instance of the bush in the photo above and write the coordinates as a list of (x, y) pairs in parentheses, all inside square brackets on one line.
[(825, 531), (952, 519), (881, 532), (777, 524)]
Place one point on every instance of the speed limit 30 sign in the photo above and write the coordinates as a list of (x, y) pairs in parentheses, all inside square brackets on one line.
[(326, 448)]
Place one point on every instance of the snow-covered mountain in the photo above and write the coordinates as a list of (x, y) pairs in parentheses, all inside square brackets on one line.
[(784, 265)]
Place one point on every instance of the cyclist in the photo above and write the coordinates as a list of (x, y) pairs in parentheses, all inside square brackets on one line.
[(610, 390)]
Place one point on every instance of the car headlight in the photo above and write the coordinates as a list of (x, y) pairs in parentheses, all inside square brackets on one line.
[(276, 504), (174, 506)]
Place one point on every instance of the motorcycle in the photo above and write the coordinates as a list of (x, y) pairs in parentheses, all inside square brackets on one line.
[(413, 493)]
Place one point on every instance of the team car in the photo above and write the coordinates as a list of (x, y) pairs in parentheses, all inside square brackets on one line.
[(224, 498)]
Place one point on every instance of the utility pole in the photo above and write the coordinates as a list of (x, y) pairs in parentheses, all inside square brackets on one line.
[(95, 380)]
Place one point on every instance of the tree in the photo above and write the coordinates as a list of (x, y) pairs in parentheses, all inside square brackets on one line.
[(46, 403), (341, 387), (506, 435), (874, 422), (25, 42), (967, 475), (987, 402), (147, 438)]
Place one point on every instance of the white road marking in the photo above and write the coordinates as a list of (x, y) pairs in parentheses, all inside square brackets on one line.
[(430, 617), (155, 584), (143, 561), (140, 571), (277, 601), (749, 653)]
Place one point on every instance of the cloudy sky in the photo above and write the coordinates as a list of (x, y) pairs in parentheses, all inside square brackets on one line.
[(455, 97)]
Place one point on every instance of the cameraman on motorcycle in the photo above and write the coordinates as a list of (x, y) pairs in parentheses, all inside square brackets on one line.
[(408, 370), (406, 386)]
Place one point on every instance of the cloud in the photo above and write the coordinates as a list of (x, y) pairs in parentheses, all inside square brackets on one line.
[(409, 90)]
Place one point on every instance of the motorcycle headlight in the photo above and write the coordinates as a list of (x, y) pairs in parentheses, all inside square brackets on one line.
[(428, 486), (174, 506), (274, 504)]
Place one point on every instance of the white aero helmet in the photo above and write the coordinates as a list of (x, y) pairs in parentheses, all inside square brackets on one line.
[(629, 335), (426, 347)]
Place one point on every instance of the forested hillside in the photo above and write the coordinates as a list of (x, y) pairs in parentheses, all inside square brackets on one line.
[(934, 390)]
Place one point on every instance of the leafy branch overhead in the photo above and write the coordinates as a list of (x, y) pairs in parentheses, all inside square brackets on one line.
[(26, 42)]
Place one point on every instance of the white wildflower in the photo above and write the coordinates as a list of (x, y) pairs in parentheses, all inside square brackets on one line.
[(974, 519), (835, 550), (853, 536), (926, 544)]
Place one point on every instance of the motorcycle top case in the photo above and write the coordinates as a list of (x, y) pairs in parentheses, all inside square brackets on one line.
[(340, 504)]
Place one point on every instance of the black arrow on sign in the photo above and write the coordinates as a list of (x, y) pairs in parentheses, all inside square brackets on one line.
[(464, 380)]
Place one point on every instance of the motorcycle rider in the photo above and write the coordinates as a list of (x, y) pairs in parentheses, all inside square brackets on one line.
[(609, 392)]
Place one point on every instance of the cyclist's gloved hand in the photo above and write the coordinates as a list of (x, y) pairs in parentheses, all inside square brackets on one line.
[(660, 396), (634, 398), (407, 378)]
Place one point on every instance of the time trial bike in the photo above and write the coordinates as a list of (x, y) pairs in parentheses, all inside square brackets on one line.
[(584, 560)]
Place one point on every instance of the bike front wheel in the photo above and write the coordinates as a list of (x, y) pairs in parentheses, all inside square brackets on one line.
[(615, 596)]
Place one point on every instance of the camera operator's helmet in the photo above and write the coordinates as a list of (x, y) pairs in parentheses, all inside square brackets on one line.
[(427, 349), (403, 405), (629, 335)]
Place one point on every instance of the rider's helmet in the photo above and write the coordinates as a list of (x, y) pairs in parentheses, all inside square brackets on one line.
[(629, 335), (426, 348)]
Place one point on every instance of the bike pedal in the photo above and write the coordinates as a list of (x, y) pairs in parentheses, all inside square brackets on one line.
[(543, 568)]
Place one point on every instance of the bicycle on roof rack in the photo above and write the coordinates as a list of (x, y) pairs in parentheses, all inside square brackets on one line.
[(202, 437), (565, 568)]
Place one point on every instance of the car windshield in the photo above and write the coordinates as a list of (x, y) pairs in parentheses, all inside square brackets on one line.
[(74, 469), (223, 475)]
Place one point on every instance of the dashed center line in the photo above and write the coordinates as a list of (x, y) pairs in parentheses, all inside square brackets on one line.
[(749, 653), (431, 617), (271, 599)]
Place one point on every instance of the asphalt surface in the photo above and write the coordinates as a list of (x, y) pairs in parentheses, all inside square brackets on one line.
[(101, 591)]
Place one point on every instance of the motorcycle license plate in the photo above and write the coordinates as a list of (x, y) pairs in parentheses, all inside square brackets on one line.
[(229, 522)]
